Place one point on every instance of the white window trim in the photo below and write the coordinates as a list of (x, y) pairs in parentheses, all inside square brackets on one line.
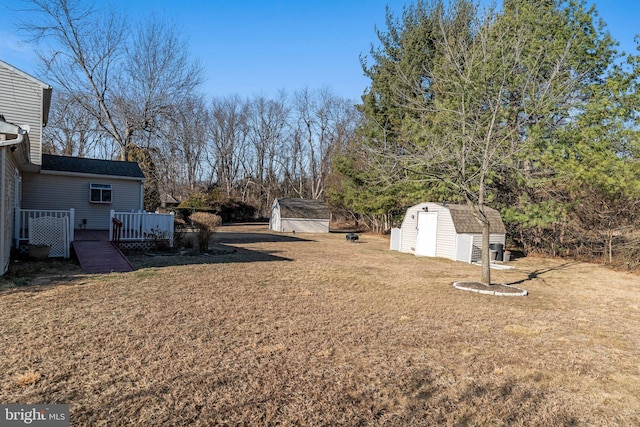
[(101, 187)]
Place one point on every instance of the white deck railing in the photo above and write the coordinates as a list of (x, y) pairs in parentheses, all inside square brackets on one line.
[(22, 217), (141, 226)]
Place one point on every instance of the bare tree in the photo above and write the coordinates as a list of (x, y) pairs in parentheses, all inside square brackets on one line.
[(323, 121), (126, 82), (268, 123), (183, 146), (71, 131), (228, 134), (157, 80)]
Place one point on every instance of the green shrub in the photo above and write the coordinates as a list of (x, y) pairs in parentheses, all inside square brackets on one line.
[(206, 224)]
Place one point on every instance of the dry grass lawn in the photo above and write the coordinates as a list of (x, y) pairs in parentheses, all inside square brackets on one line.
[(313, 330)]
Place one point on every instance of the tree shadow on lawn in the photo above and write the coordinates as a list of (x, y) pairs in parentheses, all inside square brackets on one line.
[(534, 275), (237, 238), (35, 276), (218, 253)]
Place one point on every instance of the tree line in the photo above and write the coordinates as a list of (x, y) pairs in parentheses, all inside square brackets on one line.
[(528, 108), (248, 149), (131, 91)]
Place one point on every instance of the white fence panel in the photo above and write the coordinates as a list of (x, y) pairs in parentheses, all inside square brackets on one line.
[(23, 218), (141, 226)]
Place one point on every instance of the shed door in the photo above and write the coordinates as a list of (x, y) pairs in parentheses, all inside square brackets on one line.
[(427, 230)]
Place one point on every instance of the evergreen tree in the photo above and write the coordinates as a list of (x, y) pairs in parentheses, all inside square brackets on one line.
[(491, 97)]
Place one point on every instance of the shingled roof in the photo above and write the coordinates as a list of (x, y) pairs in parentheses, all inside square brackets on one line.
[(464, 221), (302, 208), (91, 166)]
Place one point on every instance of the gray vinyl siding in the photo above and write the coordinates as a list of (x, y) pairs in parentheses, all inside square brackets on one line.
[(21, 103), (9, 202), (493, 238), (301, 225), (44, 191)]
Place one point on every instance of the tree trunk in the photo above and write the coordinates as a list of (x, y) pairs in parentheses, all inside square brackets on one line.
[(486, 257)]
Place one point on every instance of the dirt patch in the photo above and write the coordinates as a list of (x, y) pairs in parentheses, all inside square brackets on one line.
[(314, 330)]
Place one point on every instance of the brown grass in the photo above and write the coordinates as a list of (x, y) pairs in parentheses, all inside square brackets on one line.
[(312, 330), (27, 378)]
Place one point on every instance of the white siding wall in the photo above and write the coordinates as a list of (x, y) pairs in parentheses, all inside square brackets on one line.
[(21, 104), (464, 248), (447, 238), (396, 239), (493, 238), (274, 220), (409, 229), (41, 191), (446, 234)]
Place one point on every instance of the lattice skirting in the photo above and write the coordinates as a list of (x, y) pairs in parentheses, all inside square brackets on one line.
[(134, 246), (143, 245)]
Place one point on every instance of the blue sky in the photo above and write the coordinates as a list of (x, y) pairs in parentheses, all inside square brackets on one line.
[(256, 47)]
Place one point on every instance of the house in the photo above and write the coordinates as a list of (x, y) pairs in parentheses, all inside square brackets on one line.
[(92, 187), (25, 101), (24, 112), (448, 231), (45, 198), (299, 215)]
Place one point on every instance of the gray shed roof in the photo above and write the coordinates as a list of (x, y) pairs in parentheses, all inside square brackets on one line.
[(91, 166), (464, 221), (302, 208)]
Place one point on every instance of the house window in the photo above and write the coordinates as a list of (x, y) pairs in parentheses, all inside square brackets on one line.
[(100, 193)]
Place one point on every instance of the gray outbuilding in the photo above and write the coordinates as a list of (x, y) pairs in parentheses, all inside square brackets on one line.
[(299, 215), (447, 231)]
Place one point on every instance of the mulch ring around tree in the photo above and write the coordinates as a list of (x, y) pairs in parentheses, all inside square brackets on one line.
[(493, 289)]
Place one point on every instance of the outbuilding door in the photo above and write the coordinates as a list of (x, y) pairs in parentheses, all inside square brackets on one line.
[(427, 230)]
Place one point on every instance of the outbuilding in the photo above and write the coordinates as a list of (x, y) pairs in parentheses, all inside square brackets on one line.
[(447, 231), (299, 215)]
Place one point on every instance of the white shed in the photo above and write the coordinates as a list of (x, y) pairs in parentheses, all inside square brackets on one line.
[(299, 215), (448, 231)]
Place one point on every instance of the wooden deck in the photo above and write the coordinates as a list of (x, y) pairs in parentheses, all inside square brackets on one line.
[(97, 254)]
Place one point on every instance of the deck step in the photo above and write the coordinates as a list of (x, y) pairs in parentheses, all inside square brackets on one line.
[(99, 256)]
